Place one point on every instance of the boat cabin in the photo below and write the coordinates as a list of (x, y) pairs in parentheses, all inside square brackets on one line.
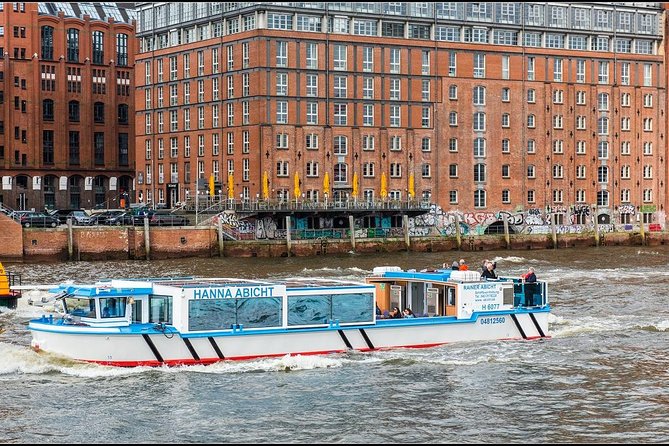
[(451, 293), (201, 305)]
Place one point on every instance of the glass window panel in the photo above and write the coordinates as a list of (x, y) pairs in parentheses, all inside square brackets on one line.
[(309, 310)]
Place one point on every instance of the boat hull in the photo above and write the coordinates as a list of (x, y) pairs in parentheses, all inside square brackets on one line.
[(149, 346)]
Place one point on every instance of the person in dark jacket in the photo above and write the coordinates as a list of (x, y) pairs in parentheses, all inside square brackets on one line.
[(531, 286), (489, 272), (529, 276)]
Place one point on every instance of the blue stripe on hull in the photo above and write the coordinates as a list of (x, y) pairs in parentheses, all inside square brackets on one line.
[(134, 329)]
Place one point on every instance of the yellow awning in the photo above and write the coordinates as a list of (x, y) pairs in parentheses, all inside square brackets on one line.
[(296, 189), (231, 186), (355, 185), (384, 185), (265, 186)]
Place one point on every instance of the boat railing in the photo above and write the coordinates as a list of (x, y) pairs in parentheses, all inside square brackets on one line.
[(529, 294)]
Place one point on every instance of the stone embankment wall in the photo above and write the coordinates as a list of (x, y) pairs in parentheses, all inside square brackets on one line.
[(107, 243)]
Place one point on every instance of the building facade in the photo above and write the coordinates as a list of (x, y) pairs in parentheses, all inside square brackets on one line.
[(472, 106), (67, 115)]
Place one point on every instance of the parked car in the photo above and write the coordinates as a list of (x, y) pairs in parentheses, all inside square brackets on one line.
[(106, 217), (38, 220), (168, 220), (79, 216), (123, 219)]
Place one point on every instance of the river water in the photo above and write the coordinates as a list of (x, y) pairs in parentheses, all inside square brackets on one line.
[(601, 377)]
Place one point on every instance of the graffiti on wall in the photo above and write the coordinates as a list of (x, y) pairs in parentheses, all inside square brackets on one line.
[(577, 219)]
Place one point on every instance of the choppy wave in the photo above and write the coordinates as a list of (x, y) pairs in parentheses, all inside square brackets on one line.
[(559, 327)]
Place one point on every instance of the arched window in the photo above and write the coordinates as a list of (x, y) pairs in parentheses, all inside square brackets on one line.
[(340, 173), (47, 42), (479, 95)]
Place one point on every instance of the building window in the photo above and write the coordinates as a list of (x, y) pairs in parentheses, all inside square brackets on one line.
[(479, 199), (425, 117), (47, 110), (340, 114), (479, 122), (73, 148), (123, 114), (312, 113), (368, 59), (99, 112), (73, 111), (47, 43), (479, 65), (47, 147), (281, 84), (426, 145), (479, 95), (99, 148), (368, 115), (282, 112), (122, 49), (340, 61), (531, 96), (453, 197), (340, 146), (531, 171), (602, 198), (281, 54), (72, 45), (312, 56), (395, 60)]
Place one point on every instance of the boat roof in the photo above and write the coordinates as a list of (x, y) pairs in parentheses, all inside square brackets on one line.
[(130, 287)]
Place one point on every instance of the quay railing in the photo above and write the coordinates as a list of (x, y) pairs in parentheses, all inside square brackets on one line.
[(213, 205)]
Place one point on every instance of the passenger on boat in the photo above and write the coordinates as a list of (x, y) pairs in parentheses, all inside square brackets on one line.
[(455, 266), (531, 286), (463, 265), (395, 313), (110, 309), (529, 276), (408, 313), (489, 272)]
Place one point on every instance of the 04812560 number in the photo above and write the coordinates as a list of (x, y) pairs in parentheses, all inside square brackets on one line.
[(492, 320)]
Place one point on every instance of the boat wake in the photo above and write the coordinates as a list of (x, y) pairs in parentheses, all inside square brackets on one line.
[(560, 327)]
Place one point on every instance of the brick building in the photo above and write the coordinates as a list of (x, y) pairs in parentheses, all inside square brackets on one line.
[(67, 95), (473, 106)]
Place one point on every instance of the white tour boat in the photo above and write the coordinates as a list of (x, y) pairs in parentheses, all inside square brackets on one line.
[(181, 321)]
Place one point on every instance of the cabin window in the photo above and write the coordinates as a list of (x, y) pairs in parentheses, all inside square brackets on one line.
[(113, 306), (80, 307), (211, 314), (258, 313), (358, 307), (160, 309), (317, 310), (222, 314), (309, 310)]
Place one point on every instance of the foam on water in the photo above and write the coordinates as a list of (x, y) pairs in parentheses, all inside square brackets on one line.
[(560, 327), (18, 359)]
